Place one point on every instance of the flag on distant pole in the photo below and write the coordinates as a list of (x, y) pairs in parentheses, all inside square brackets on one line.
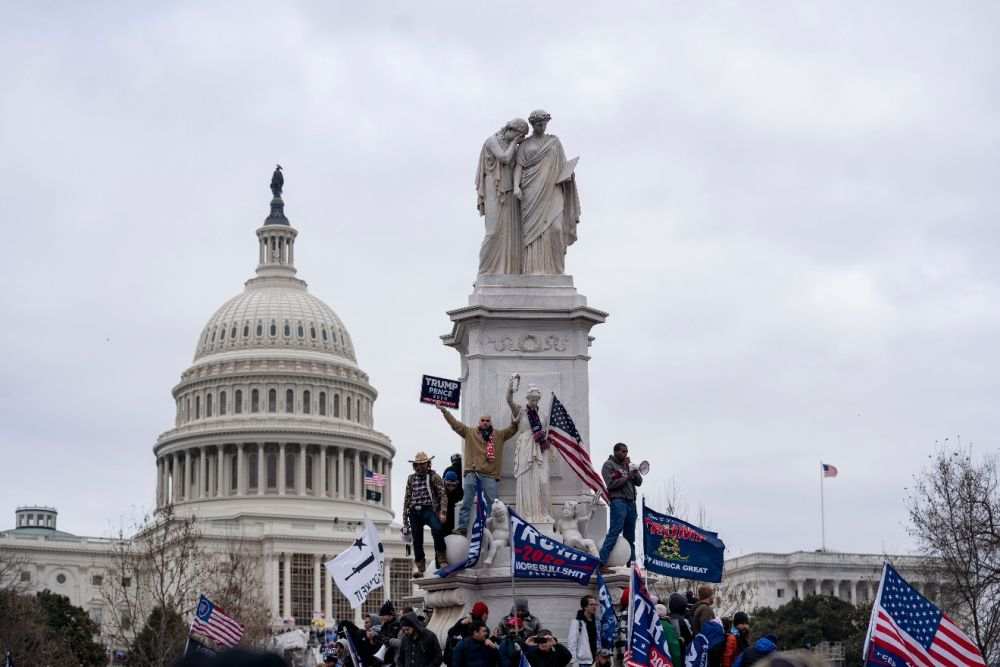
[(212, 623), (566, 439), (374, 480), (829, 470), (825, 470), (908, 629)]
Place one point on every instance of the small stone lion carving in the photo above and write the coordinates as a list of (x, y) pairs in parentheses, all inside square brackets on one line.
[(571, 523), (498, 524)]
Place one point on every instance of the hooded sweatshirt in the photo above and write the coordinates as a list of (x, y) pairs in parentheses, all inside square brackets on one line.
[(761, 648)]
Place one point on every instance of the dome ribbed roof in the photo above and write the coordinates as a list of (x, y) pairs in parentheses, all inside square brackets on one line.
[(275, 313)]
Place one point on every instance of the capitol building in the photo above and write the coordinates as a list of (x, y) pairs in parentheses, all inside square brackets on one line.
[(272, 443)]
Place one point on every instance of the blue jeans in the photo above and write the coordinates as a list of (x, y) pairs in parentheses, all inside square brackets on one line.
[(622, 522), (469, 488), (419, 519)]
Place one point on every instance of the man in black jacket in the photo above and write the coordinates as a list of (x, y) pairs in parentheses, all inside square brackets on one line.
[(418, 646), (476, 650), (543, 650)]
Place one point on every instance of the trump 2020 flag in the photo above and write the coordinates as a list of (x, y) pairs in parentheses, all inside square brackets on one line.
[(475, 538), (360, 569), (647, 646), (677, 548), (907, 629), (607, 619), (534, 556)]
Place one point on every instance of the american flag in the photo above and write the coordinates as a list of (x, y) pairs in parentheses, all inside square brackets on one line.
[(565, 438), (907, 628), (210, 622), (829, 470), (373, 479)]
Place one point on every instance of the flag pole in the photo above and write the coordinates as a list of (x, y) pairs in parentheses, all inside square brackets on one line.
[(871, 619), (822, 510)]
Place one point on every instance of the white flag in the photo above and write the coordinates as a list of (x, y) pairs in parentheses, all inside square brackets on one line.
[(359, 570)]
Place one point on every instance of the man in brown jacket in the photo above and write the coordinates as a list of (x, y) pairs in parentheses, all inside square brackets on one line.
[(703, 611), (482, 456)]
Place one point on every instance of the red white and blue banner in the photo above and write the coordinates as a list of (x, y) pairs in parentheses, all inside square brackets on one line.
[(679, 549), (535, 556), (475, 537), (908, 629), (647, 645)]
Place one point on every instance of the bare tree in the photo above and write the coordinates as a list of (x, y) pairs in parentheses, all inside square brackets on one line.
[(154, 577), (236, 584), (954, 510), (12, 564)]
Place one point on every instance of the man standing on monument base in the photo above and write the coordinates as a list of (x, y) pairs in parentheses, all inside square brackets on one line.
[(620, 477), (483, 457)]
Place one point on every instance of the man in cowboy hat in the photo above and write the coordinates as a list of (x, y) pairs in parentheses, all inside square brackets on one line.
[(425, 504), (482, 457)]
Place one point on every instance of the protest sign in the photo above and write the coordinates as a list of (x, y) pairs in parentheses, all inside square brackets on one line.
[(535, 556), (440, 391), (679, 549)]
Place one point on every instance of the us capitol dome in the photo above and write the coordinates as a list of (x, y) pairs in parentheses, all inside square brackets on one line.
[(274, 436)]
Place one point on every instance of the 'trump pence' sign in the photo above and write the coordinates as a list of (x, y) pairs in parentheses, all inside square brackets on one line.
[(440, 391)]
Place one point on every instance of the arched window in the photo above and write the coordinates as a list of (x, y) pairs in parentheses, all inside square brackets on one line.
[(234, 472), (306, 402), (222, 403), (348, 408), (301, 331), (238, 402), (213, 334), (336, 405), (272, 400), (246, 330), (197, 407), (260, 328), (322, 403), (287, 329), (274, 328), (208, 405), (323, 329), (254, 401), (312, 331), (289, 401), (222, 333), (272, 470)]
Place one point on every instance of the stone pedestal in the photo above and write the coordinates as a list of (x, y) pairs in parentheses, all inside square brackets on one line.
[(539, 327)]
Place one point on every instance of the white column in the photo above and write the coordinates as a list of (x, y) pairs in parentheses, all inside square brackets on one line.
[(819, 587), (798, 589), (203, 472), (187, 474), (387, 580), (261, 476), (328, 596), (220, 466), (340, 473), (385, 475), (159, 482), (359, 491), (317, 600), (241, 473), (281, 469), (275, 592), (388, 484), (300, 476), (323, 473), (286, 608)]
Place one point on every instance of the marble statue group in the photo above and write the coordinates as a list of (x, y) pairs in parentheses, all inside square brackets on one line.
[(526, 191)]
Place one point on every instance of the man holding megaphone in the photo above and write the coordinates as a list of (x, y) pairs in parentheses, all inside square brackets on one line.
[(621, 477)]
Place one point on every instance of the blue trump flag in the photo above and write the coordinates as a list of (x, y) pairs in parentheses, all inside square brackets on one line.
[(607, 619), (677, 548), (647, 645), (475, 538), (535, 556)]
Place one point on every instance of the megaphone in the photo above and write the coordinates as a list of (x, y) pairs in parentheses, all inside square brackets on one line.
[(379, 654)]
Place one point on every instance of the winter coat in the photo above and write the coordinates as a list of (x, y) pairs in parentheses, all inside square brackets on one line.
[(621, 482), (701, 614), (736, 643), (472, 653), (673, 642), (761, 648), (474, 454), (578, 641), (421, 649), (557, 656)]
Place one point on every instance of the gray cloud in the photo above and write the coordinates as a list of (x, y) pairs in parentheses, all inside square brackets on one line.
[(788, 212)]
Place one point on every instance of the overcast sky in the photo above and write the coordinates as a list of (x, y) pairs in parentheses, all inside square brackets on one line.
[(789, 211)]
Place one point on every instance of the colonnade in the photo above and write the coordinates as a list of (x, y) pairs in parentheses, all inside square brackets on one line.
[(279, 468), (853, 590)]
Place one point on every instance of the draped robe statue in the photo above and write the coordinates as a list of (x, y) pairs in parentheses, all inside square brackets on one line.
[(501, 251), (531, 459), (545, 185)]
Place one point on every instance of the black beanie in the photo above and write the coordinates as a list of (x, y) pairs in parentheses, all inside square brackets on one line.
[(741, 618), (387, 609)]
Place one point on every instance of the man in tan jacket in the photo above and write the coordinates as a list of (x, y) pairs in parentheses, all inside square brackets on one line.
[(482, 456)]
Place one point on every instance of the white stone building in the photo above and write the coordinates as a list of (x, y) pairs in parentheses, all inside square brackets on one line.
[(273, 438), (771, 580)]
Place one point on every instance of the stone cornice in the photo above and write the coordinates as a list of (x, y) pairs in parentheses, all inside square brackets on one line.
[(271, 427)]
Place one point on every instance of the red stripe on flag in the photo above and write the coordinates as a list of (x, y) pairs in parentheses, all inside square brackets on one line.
[(956, 635), (579, 461)]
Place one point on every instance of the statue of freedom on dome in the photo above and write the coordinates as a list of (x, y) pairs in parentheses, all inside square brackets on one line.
[(277, 181)]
